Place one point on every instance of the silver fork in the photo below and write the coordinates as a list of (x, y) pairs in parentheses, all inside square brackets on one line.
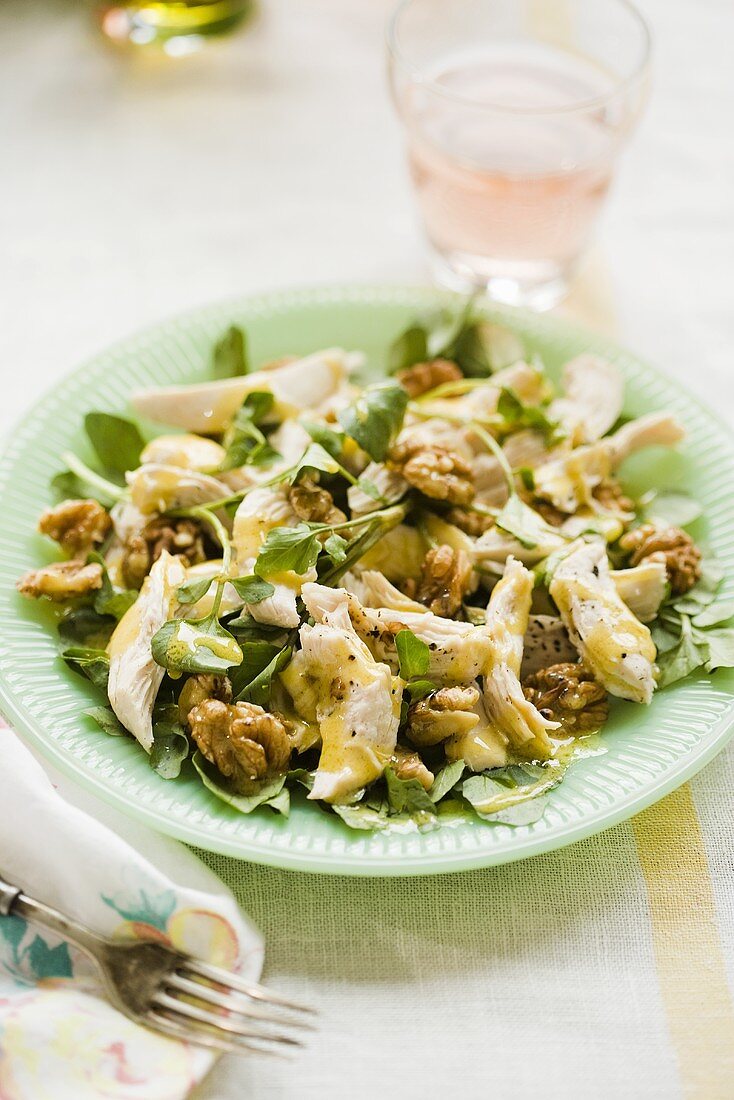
[(173, 993)]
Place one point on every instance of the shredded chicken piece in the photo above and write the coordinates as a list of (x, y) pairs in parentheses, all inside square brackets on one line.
[(198, 689), (312, 503), (244, 742), (445, 580), (439, 473), (62, 580), (408, 765), (674, 548), (422, 377), (77, 525), (448, 712), (183, 538), (569, 694)]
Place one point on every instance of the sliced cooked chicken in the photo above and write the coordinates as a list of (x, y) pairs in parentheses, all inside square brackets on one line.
[(373, 589), (193, 452), (484, 746), (208, 407), (135, 677), (613, 643), (258, 513), (497, 546), (335, 681), (390, 487), (507, 708), (593, 399), (156, 487), (568, 482), (642, 588), (458, 651)]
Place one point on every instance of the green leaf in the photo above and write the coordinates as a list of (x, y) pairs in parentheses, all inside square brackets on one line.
[(675, 509), (481, 347), (682, 659), (92, 663), (195, 645), (446, 779), (511, 795), (516, 415), (194, 590), (252, 589), (718, 647), (170, 743), (410, 347), (413, 654), (259, 689), (363, 817), (108, 599), (408, 796), (523, 523), (81, 481), (315, 458), (286, 549), (107, 720), (331, 440), (84, 627), (527, 477), (117, 441), (419, 689), (375, 418), (248, 629), (272, 793), (336, 548), (229, 357), (371, 490), (719, 612), (256, 656), (245, 443)]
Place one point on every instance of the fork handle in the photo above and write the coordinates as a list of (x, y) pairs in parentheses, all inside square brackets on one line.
[(13, 902)]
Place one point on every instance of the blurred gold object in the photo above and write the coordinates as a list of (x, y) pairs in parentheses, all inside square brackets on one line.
[(179, 26)]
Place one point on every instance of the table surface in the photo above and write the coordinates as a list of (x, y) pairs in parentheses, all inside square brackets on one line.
[(138, 186)]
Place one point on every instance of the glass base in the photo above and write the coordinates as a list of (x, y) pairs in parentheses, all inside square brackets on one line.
[(178, 27), (534, 285)]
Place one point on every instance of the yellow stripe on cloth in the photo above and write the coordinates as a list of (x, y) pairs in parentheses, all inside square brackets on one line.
[(687, 946)]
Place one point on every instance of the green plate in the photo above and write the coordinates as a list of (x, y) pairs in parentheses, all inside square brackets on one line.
[(649, 751)]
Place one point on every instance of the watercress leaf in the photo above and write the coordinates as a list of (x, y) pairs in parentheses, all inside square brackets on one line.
[(410, 347), (84, 626), (674, 509), (371, 490), (316, 458), (375, 418), (259, 689), (107, 720), (408, 796), (81, 481), (481, 347), (244, 442), (715, 613), (336, 548), (194, 590), (92, 663), (414, 655), (229, 356), (664, 639), (363, 817), (684, 658), (498, 795), (524, 524), (717, 646), (418, 689), (272, 793), (170, 743), (252, 589), (286, 549), (302, 776), (446, 779), (195, 645), (248, 629), (331, 440), (117, 441), (358, 547), (255, 407), (516, 415), (256, 656), (110, 600)]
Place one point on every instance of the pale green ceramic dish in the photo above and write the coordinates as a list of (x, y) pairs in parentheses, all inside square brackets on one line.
[(649, 751)]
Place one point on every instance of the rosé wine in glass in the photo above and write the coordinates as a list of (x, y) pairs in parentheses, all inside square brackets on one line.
[(512, 136)]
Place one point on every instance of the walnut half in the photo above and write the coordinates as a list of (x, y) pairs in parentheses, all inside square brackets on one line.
[(436, 471), (445, 578), (182, 537), (77, 525), (197, 689), (408, 765), (422, 377), (313, 504), (569, 694), (244, 742), (63, 580), (446, 713), (674, 548)]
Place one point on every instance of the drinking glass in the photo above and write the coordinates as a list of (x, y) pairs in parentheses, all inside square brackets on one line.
[(179, 26), (515, 112)]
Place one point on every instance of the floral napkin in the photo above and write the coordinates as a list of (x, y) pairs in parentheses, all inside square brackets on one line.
[(59, 1037)]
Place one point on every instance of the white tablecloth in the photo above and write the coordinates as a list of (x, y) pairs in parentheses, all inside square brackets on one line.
[(134, 187)]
